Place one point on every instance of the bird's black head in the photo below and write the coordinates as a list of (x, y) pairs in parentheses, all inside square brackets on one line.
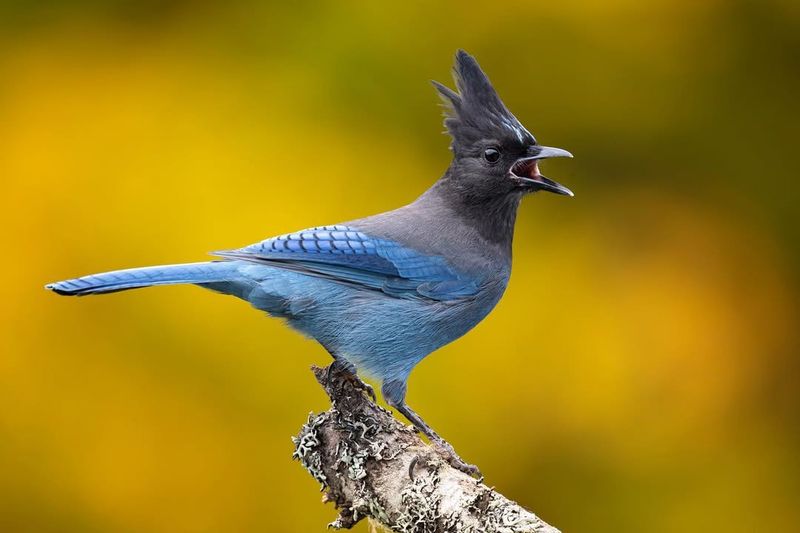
[(494, 155)]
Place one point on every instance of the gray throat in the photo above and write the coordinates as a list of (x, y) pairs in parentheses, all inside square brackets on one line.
[(492, 217)]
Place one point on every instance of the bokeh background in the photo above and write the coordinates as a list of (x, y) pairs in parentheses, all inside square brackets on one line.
[(640, 374)]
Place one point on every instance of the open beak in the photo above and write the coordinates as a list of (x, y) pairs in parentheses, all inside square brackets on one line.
[(526, 171)]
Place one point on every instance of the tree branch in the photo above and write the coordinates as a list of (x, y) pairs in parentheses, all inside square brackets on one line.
[(372, 466)]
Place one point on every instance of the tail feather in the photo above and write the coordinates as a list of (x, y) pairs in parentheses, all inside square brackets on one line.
[(121, 280)]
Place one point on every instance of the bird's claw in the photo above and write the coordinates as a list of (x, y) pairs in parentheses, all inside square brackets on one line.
[(364, 386), (470, 470), (337, 367), (370, 391), (449, 454)]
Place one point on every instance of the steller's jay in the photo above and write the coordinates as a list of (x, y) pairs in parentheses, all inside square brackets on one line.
[(381, 293)]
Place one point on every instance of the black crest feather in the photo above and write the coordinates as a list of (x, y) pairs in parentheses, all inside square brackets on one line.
[(476, 111)]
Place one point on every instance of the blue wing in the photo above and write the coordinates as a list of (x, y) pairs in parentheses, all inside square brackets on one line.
[(346, 255)]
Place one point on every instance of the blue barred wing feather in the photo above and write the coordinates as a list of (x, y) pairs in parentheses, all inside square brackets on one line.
[(346, 255)]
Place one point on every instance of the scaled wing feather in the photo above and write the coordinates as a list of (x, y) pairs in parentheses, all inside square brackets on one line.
[(346, 255)]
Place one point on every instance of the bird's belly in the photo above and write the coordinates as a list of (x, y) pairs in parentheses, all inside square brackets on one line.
[(386, 337), (382, 335)]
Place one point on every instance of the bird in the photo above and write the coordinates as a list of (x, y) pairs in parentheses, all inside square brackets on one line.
[(381, 293)]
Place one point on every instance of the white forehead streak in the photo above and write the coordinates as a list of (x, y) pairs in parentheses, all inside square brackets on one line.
[(516, 128)]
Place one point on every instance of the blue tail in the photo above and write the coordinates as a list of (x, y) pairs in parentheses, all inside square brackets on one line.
[(133, 278)]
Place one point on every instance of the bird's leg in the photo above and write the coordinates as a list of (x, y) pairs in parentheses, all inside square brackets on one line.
[(343, 368), (394, 394), (445, 448)]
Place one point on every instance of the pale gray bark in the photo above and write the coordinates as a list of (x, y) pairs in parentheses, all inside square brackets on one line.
[(372, 466)]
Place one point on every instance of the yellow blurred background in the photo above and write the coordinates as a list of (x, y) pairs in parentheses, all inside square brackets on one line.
[(640, 374)]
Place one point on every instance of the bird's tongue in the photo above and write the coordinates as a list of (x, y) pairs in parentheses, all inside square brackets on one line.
[(534, 170), (528, 169)]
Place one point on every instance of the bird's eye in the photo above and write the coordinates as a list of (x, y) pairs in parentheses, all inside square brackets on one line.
[(492, 155)]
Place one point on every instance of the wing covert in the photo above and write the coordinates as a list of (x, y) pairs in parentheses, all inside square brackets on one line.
[(344, 254)]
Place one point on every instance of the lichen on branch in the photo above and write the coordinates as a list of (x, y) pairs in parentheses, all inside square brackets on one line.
[(372, 466)]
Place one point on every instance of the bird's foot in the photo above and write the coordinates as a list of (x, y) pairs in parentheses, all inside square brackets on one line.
[(448, 453), (390, 391), (367, 388), (345, 371)]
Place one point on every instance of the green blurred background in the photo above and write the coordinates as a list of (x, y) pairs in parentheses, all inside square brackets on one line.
[(640, 374)]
